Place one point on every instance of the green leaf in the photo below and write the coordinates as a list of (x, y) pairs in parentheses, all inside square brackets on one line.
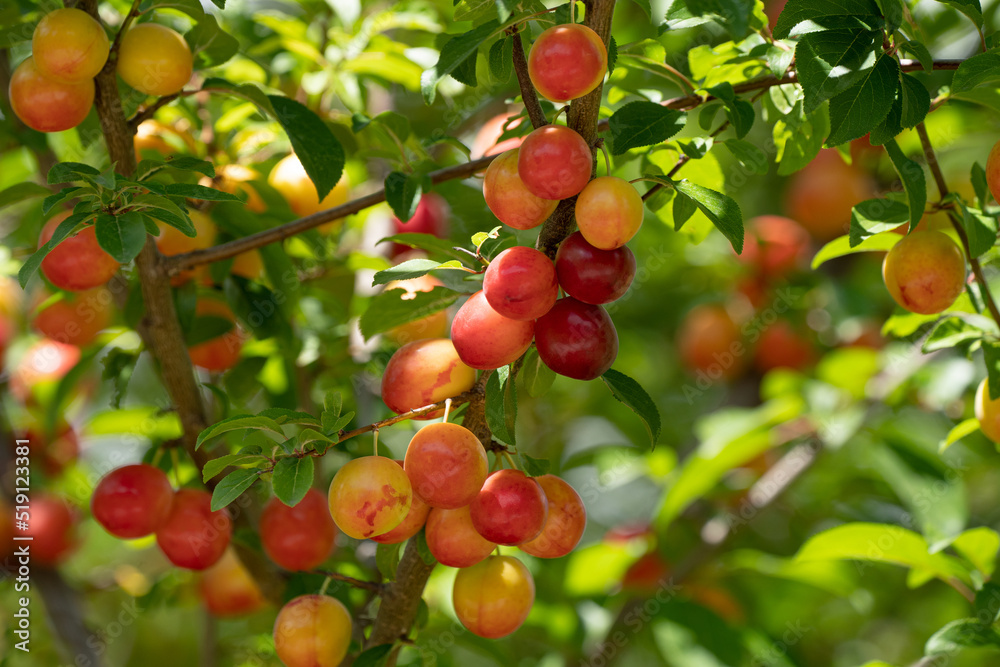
[(970, 8), (840, 247), (389, 309), (501, 405), (892, 10), (919, 51), (977, 177), (981, 230), (914, 181), (207, 327), (232, 487), (314, 143), (799, 137), (951, 332), (502, 58), (402, 193), (210, 44), (631, 393), (24, 191), (749, 155), (201, 192), (827, 13), (220, 463), (412, 268), (535, 467), (453, 54), (420, 539), (829, 62), (535, 375), (916, 101), (286, 416), (874, 216), (430, 243), (979, 546), (739, 112), (237, 423), (862, 107), (960, 634), (122, 237), (65, 172), (293, 477), (975, 71), (374, 656), (63, 229), (387, 560), (721, 209), (991, 355), (192, 8), (639, 124), (612, 55), (883, 543)]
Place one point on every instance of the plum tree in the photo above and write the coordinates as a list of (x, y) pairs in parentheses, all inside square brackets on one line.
[(300, 537), (193, 536), (228, 589), (521, 283), (508, 197), (132, 501), (924, 272), (68, 45), (45, 104), (493, 598), (567, 62), (312, 631), (154, 59), (78, 263), (369, 496), (446, 464), (424, 372), (486, 339)]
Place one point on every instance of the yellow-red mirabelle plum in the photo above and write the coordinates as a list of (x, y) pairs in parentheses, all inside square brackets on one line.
[(370, 496), (75, 318), (290, 179), (424, 372), (509, 199), (222, 352), (69, 45), (45, 104), (609, 212), (312, 631), (78, 263), (228, 589), (925, 272), (493, 598), (554, 162), (486, 339), (567, 62), (566, 520), (411, 525), (446, 464), (988, 412), (453, 540), (154, 59)]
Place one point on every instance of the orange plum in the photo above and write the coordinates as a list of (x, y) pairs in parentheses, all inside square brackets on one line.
[(228, 589), (369, 496), (424, 372), (609, 212), (446, 464), (493, 598), (154, 59), (453, 540), (566, 520), (925, 272), (312, 631), (45, 104), (567, 62), (69, 45), (76, 318), (222, 352), (509, 199)]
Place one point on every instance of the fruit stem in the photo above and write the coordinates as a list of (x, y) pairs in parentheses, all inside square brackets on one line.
[(375, 442), (447, 409), (509, 459), (572, 11), (607, 158), (133, 12), (175, 458), (326, 584), (977, 269), (157, 456)]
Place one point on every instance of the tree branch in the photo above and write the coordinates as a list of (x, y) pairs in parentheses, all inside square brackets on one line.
[(977, 269), (357, 583), (528, 94)]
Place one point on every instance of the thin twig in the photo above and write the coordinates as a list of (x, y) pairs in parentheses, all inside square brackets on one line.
[(977, 269), (133, 12), (357, 583), (528, 94)]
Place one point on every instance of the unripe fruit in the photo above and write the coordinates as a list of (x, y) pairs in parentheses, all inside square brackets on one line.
[(193, 536), (45, 104), (132, 501), (370, 496), (69, 46), (993, 171), (424, 372), (75, 319), (510, 508), (453, 540), (925, 272), (300, 537), (290, 179), (988, 412), (554, 162), (567, 62), (708, 343), (493, 598), (312, 631), (520, 283), (154, 59), (222, 352), (446, 464), (577, 339), (411, 525), (509, 199), (78, 263), (52, 527), (486, 339), (592, 275), (567, 519), (228, 589), (609, 212)]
